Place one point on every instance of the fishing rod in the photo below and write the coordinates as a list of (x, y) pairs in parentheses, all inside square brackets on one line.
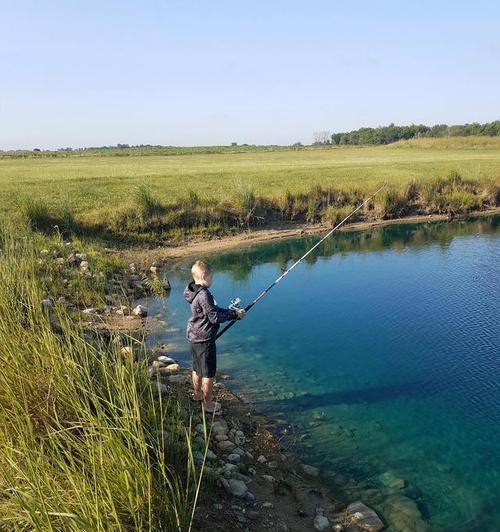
[(235, 303)]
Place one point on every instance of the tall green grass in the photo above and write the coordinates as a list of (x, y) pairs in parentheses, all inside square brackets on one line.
[(87, 441)]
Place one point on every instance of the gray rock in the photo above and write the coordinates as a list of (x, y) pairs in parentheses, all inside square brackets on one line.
[(364, 517), (269, 478), (321, 522), (226, 445), (219, 427), (211, 455), (239, 437), (165, 361), (262, 459), (267, 505), (234, 487), (239, 451), (162, 388), (233, 457)]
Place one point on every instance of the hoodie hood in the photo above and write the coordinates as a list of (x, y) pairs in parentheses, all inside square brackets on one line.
[(191, 291)]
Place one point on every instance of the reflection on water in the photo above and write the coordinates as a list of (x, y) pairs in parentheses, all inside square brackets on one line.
[(383, 352)]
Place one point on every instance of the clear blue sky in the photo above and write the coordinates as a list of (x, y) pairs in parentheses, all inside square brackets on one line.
[(86, 73)]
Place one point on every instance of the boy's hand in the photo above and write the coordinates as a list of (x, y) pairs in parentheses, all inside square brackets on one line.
[(241, 313)]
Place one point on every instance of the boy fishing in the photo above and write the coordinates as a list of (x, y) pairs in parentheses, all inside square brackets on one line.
[(202, 328)]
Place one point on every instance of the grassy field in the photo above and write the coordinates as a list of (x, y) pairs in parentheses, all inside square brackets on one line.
[(96, 187)]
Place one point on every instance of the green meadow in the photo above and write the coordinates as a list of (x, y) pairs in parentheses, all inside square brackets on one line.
[(141, 191)]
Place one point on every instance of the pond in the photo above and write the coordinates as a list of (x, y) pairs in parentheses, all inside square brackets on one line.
[(383, 351)]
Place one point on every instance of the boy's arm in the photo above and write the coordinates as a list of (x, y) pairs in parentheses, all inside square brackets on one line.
[(214, 313)]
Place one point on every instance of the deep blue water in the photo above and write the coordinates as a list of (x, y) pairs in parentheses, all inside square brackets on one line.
[(383, 351)]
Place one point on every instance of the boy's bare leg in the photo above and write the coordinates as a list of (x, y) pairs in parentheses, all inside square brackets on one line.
[(196, 384), (207, 387)]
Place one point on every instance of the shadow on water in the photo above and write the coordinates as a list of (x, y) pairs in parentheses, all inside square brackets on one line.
[(358, 396)]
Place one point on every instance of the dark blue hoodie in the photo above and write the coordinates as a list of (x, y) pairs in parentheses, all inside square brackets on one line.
[(206, 316)]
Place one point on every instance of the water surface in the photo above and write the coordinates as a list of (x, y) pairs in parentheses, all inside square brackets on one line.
[(383, 351)]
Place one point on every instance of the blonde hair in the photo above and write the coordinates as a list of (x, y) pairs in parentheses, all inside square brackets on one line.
[(200, 269)]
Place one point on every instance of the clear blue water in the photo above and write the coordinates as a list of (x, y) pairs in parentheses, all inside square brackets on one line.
[(383, 352)]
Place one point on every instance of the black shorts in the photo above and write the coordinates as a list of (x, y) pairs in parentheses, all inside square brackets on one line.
[(204, 358)]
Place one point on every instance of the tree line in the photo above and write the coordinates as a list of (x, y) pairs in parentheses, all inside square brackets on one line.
[(393, 133)]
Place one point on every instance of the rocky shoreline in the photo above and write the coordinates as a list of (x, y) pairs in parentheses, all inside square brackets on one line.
[(258, 483)]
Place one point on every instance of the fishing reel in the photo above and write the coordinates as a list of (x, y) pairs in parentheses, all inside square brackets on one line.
[(235, 303)]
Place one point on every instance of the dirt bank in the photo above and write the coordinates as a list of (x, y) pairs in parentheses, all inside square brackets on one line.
[(197, 246)]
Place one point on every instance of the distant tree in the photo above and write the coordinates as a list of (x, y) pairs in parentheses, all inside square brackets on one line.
[(36, 149), (234, 144), (321, 137), (393, 133)]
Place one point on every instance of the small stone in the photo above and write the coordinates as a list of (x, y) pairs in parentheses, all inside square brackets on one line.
[(84, 265), (221, 437), (141, 311), (132, 267), (239, 437), (234, 487), (321, 522), (211, 455), (198, 457), (170, 369), (47, 302), (252, 514), (126, 350), (262, 459), (226, 445), (267, 505), (90, 310), (272, 465), (162, 388), (239, 451), (218, 506), (269, 478), (310, 470), (219, 427), (233, 457), (200, 428), (165, 361)]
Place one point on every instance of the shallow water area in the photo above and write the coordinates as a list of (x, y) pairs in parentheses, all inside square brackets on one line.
[(383, 351)]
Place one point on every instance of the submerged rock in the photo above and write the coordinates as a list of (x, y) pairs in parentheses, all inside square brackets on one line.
[(390, 480), (310, 470), (364, 517), (404, 515)]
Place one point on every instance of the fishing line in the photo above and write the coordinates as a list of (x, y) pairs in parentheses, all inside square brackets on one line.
[(235, 302)]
